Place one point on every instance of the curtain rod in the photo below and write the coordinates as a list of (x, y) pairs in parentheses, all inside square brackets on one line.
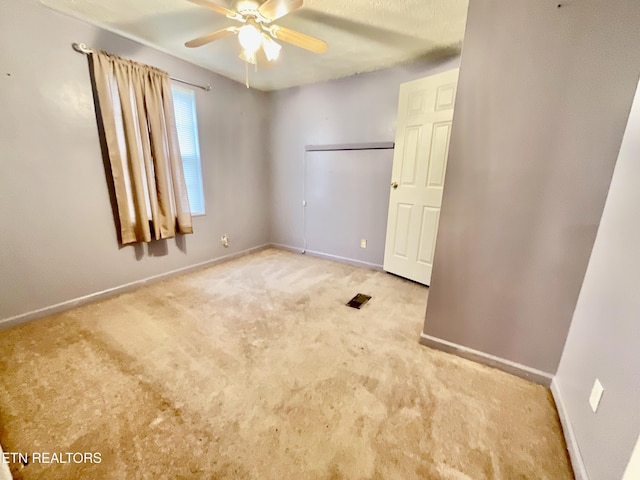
[(82, 48)]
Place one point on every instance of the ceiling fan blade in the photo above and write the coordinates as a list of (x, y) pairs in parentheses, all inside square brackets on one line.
[(215, 7), (210, 37), (274, 9), (298, 39)]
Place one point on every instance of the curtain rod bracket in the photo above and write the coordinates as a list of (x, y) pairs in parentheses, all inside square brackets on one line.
[(82, 48)]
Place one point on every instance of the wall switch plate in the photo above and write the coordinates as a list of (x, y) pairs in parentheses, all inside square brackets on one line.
[(596, 395), (224, 240), (363, 243)]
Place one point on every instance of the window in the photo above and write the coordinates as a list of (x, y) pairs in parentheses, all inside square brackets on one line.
[(184, 103)]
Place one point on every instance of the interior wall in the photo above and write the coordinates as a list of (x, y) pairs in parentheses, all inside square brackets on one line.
[(543, 98), (334, 224), (58, 238), (357, 109), (604, 339)]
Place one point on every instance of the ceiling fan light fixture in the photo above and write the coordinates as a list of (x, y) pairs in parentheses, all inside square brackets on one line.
[(247, 6), (258, 32), (250, 38), (270, 47)]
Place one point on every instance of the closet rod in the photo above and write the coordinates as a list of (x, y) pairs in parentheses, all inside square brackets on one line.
[(82, 48)]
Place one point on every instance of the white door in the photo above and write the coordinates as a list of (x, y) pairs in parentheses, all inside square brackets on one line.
[(425, 112)]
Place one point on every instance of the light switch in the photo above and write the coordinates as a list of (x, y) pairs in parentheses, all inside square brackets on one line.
[(596, 395), (363, 243)]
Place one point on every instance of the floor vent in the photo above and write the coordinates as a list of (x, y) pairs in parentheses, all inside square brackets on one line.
[(358, 301)]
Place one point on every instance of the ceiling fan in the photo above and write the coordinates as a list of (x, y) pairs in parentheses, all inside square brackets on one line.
[(257, 34)]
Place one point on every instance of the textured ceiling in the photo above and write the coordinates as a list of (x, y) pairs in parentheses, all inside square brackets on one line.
[(363, 35)]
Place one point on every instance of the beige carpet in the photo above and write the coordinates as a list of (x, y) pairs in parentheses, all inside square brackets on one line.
[(255, 369)]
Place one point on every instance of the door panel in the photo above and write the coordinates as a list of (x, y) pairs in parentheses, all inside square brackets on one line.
[(425, 113), (427, 242), (438, 156), (445, 96), (410, 155), (403, 225)]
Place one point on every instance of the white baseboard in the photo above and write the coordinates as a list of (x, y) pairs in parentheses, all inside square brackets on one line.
[(110, 292), (579, 469), (328, 256), (349, 261), (517, 369), (287, 248)]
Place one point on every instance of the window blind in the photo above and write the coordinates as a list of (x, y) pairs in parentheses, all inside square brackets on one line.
[(184, 103)]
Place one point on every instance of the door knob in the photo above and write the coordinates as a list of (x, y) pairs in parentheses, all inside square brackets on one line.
[(394, 185)]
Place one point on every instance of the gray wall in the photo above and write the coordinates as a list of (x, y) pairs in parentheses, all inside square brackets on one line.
[(58, 238), (604, 339), (347, 195), (543, 97), (358, 109)]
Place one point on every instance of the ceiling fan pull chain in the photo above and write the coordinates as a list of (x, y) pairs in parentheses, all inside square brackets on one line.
[(246, 73)]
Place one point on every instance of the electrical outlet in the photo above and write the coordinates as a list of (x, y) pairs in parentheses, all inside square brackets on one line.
[(224, 240), (363, 243), (596, 395)]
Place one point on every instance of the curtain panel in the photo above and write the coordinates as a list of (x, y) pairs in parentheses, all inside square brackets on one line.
[(136, 108)]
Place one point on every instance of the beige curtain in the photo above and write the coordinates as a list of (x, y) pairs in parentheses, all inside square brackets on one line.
[(136, 106)]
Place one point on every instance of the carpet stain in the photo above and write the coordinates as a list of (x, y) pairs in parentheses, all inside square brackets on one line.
[(255, 369)]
